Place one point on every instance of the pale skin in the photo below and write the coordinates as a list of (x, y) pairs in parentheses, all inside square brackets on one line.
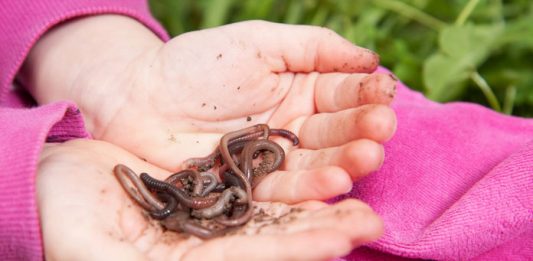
[(167, 102)]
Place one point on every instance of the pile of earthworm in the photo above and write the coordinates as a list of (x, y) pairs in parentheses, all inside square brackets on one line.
[(201, 203)]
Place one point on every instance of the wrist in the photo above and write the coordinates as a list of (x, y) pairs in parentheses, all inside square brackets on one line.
[(88, 61)]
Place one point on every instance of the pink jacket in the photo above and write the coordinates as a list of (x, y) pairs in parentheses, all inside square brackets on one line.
[(457, 182), (24, 127)]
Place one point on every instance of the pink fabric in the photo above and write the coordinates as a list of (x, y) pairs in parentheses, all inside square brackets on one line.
[(23, 130), (456, 182)]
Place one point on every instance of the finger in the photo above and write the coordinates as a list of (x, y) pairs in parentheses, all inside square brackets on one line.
[(319, 244), (374, 122), (310, 205), (332, 92), (302, 48), (337, 91), (301, 185), (358, 158)]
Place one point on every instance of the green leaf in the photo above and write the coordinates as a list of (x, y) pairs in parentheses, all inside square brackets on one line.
[(364, 31), (444, 76), (518, 31), (472, 42), (462, 50)]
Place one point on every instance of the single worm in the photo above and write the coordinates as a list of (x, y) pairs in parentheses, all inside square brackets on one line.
[(222, 204), (239, 216), (286, 134), (251, 133), (197, 179), (211, 185), (180, 195), (173, 179), (208, 179), (171, 204), (247, 159), (202, 163), (229, 177), (181, 222), (138, 191)]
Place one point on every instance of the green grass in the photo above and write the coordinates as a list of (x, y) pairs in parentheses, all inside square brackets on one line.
[(477, 50)]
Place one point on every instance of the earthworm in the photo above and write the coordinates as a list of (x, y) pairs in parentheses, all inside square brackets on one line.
[(238, 174), (202, 232), (180, 221), (171, 204), (228, 203), (286, 134), (238, 217), (224, 148), (180, 195), (207, 162), (222, 203), (213, 182), (248, 153), (138, 191), (197, 179), (206, 178), (257, 131)]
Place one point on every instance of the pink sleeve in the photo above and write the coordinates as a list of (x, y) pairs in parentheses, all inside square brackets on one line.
[(24, 21), (23, 130)]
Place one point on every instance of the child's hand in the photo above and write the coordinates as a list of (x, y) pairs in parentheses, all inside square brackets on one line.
[(169, 102), (85, 214)]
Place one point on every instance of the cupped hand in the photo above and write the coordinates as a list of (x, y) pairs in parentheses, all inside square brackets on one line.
[(202, 84), (85, 214), (169, 102)]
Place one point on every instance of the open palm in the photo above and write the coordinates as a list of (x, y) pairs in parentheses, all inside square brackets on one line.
[(167, 102), (182, 96), (85, 214)]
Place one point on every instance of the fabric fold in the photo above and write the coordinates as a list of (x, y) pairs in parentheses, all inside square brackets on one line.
[(23, 134), (456, 184)]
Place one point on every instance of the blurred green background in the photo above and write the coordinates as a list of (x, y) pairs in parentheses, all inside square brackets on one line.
[(477, 50)]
